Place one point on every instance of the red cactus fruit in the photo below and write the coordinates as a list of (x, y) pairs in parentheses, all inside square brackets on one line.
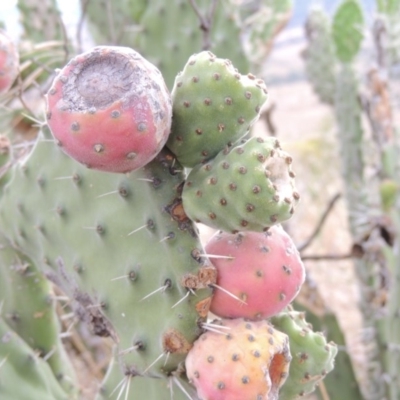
[(9, 60), (259, 274), (239, 360), (110, 109)]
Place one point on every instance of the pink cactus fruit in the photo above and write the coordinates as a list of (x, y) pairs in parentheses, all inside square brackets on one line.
[(259, 273), (9, 61), (110, 109), (239, 360)]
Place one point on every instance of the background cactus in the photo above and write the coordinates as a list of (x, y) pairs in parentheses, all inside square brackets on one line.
[(371, 225)]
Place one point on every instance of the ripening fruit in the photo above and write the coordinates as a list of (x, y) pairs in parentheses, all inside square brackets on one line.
[(259, 273), (110, 109)]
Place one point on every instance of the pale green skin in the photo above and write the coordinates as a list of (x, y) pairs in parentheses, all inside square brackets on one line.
[(313, 357), (58, 223), (213, 107), (232, 192)]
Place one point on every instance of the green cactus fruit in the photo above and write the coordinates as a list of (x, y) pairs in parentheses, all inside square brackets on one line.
[(28, 308), (23, 375), (320, 58), (9, 62), (259, 273), (347, 30), (213, 106), (109, 109), (238, 359), (120, 246), (249, 187), (313, 357)]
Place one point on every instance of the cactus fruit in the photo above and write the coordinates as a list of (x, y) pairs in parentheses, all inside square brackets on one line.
[(214, 106), (246, 188), (239, 360), (262, 269), (109, 109), (313, 357), (9, 61)]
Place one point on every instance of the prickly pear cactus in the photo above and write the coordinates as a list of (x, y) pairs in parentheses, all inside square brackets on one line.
[(320, 58), (121, 290), (214, 106), (27, 306), (249, 187)]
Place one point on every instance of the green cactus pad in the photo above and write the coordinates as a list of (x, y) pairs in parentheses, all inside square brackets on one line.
[(249, 187), (23, 375), (320, 58), (176, 29), (120, 246), (313, 357), (213, 107), (347, 30), (25, 298)]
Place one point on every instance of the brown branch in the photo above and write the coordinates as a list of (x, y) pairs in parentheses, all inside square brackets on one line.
[(320, 223), (205, 21)]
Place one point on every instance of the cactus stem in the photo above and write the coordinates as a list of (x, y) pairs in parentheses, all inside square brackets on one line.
[(214, 285), (163, 288)]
